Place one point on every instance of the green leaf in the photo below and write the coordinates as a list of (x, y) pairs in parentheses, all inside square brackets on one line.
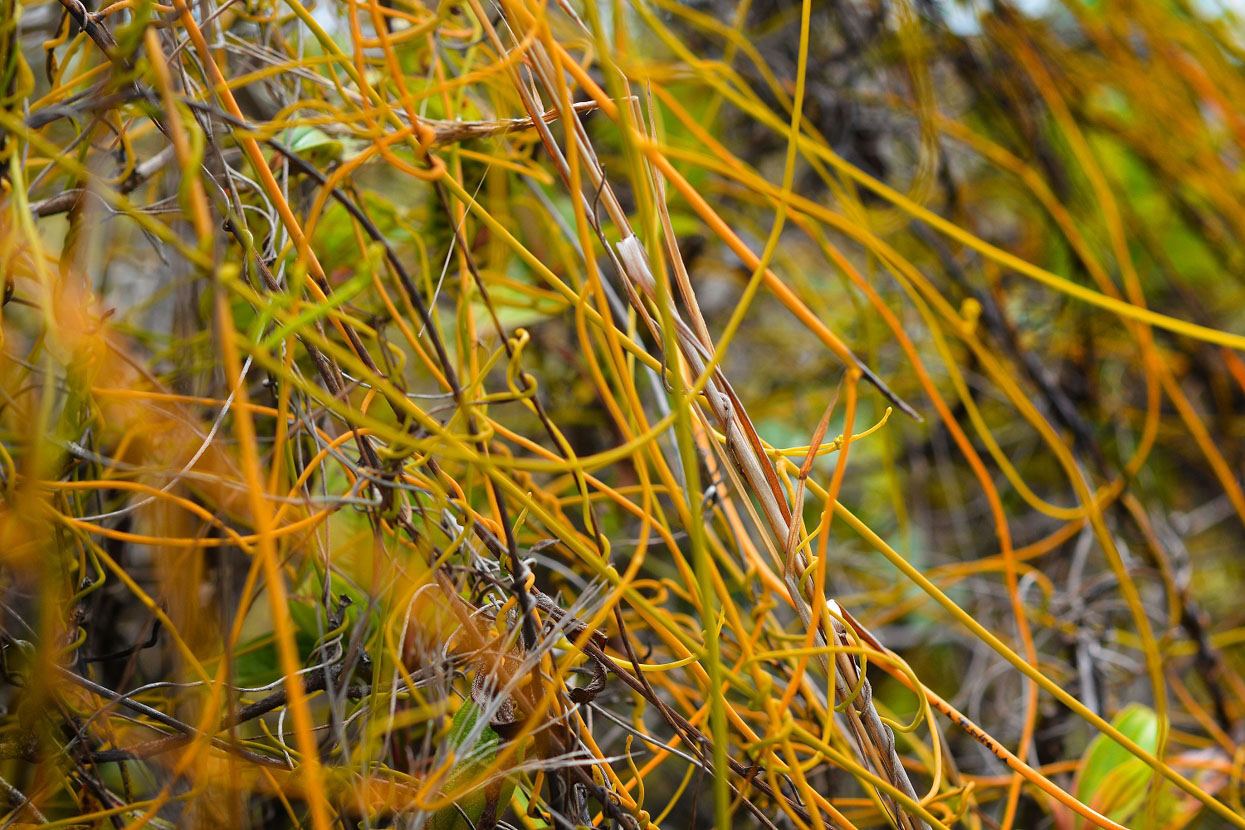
[(471, 763), (312, 143), (256, 662), (1112, 780)]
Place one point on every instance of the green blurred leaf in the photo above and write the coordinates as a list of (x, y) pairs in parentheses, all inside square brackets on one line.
[(256, 662), (1112, 780), (312, 143)]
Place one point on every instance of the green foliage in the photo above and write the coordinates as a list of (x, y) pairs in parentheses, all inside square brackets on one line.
[(472, 759), (1112, 780)]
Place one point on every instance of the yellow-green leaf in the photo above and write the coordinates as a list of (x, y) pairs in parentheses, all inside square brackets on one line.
[(1112, 780)]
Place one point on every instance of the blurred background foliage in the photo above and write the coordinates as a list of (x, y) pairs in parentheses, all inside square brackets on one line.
[(351, 475)]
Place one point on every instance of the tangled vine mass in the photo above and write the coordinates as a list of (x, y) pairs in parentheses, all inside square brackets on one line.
[(631, 414)]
